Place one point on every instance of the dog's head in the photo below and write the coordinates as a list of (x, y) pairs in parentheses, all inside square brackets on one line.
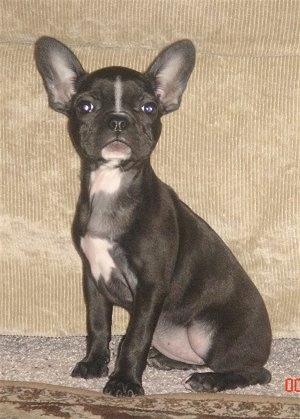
[(114, 113)]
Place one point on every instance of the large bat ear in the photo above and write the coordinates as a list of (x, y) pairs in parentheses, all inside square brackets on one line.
[(60, 69), (170, 71)]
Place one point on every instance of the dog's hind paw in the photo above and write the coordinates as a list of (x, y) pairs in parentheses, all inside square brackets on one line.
[(219, 381), (212, 381), (85, 369)]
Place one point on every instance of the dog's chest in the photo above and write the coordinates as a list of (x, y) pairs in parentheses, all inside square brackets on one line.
[(107, 219), (106, 180), (104, 219)]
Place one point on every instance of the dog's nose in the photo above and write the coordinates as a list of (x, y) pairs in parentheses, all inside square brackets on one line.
[(118, 123)]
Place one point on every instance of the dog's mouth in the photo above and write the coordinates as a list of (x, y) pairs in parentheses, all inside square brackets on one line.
[(116, 149), (117, 145)]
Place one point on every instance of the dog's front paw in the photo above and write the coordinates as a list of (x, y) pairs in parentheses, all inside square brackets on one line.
[(90, 369), (121, 387)]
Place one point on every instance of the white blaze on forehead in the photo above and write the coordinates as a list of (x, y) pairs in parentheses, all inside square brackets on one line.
[(118, 94)]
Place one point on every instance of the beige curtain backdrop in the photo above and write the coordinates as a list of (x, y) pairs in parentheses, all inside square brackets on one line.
[(231, 151)]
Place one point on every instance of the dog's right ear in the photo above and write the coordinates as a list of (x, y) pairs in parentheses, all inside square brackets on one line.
[(60, 69), (170, 71)]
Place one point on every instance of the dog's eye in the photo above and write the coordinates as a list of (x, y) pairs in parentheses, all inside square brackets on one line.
[(149, 108), (84, 106)]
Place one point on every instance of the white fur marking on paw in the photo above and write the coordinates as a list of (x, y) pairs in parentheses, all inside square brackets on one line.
[(118, 94), (105, 179), (97, 252)]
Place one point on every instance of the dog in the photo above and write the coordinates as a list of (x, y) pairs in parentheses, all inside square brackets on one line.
[(190, 302)]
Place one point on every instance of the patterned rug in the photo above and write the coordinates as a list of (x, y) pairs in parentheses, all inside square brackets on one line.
[(32, 400)]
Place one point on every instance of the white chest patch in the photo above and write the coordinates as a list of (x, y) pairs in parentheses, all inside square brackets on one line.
[(97, 252), (105, 179)]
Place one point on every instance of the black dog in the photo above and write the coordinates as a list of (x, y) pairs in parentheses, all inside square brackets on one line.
[(141, 247)]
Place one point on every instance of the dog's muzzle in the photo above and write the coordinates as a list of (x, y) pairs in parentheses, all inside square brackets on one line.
[(118, 123), (116, 150), (117, 147)]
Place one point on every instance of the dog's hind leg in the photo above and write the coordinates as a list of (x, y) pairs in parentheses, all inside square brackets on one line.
[(218, 381), (161, 362)]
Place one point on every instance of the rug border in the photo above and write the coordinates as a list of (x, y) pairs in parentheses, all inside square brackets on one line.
[(178, 396)]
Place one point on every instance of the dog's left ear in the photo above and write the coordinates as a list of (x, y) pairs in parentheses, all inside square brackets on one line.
[(170, 71), (60, 70)]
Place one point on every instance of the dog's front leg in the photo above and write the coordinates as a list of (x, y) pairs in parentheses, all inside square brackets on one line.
[(126, 380), (99, 318)]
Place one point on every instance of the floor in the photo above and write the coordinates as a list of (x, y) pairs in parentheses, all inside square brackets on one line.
[(50, 360)]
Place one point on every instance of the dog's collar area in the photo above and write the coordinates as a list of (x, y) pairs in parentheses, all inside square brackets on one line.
[(106, 178)]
